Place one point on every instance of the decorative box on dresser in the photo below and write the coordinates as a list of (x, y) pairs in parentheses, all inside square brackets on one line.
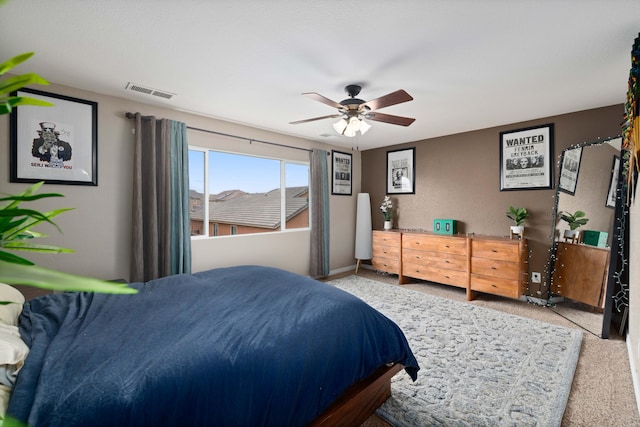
[(387, 251), (436, 258), (498, 266), (580, 273)]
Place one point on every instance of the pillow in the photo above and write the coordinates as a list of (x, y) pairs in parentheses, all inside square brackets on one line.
[(13, 352), (9, 313)]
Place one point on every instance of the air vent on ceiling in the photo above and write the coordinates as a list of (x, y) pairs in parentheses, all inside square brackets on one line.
[(149, 91), (327, 135)]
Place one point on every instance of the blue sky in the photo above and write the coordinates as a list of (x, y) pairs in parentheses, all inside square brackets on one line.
[(238, 172)]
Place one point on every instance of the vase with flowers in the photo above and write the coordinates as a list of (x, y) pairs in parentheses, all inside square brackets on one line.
[(387, 212)]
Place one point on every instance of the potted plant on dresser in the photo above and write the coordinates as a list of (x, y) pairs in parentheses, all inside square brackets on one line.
[(518, 216), (387, 212), (575, 221)]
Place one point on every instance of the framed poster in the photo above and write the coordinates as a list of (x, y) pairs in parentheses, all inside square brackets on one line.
[(401, 172), (526, 158), (341, 173), (569, 170), (613, 183), (56, 144)]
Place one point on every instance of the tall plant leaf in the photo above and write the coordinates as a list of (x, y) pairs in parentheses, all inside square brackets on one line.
[(32, 275)]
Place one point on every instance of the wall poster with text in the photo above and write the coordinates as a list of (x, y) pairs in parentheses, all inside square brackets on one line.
[(526, 158)]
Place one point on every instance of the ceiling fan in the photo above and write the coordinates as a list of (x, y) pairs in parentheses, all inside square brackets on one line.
[(352, 111)]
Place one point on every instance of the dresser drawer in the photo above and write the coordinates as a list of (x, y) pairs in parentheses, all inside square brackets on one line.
[(390, 238), (434, 274), (450, 245), (495, 285), (386, 264), (495, 250), (435, 259), (496, 268), (380, 251)]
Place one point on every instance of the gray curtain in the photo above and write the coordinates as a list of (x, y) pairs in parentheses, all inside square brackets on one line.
[(319, 189), (161, 244)]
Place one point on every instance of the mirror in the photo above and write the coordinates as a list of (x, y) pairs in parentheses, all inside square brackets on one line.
[(578, 265)]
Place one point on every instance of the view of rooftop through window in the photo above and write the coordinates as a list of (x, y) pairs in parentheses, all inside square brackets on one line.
[(246, 194)]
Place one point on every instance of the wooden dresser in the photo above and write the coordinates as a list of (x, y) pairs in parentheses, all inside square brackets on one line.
[(437, 258), (499, 266), (387, 251), (580, 273), (494, 265)]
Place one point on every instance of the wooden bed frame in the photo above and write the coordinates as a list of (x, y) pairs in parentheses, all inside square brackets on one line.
[(360, 400)]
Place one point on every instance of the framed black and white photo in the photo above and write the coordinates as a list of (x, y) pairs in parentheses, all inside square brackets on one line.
[(569, 170), (401, 172), (526, 161), (613, 183), (56, 144), (341, 172)]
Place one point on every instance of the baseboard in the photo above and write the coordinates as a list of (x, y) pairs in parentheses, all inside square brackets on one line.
[(634, 371), (349, 268)]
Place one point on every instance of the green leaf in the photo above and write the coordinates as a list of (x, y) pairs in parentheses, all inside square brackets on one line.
[(29, 197), (24, 245), (11, 63), (9, 421), (14, 259), (32, 275), (15, 83)]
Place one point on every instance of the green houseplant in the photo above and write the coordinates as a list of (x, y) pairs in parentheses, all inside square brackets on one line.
[(11, 84), (17, 234), (574, 220), (518, 216)]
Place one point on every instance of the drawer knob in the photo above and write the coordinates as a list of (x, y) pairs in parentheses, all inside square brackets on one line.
[(493, 285), (494, 251)]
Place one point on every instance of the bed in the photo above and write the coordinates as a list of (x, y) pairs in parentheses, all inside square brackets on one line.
[(238, 346)]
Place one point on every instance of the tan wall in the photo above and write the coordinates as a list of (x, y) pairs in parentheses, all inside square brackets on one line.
[(458, 177), (99, 227)]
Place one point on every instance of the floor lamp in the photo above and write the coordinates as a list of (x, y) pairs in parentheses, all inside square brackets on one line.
[(363, 229)]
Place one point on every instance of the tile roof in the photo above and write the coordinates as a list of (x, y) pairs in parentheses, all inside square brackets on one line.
[(254, 209)]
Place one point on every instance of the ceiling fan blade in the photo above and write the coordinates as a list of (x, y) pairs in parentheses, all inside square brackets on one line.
[(388, 118), (392, 98), (332, 116), (324, 100)]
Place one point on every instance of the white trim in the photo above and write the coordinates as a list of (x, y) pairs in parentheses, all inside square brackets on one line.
[(634, 371)]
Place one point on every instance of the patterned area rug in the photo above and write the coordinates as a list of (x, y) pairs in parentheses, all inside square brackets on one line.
[(479, 367)]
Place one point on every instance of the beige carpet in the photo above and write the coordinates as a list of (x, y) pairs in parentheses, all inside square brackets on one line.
[(602, 392)]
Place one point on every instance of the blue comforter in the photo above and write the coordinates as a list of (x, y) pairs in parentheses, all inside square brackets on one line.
[(238, 346)]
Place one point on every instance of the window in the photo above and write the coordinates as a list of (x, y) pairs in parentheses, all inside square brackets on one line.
[(246, 194)]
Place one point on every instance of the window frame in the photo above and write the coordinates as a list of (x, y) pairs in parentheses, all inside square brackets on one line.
[(283, 214)]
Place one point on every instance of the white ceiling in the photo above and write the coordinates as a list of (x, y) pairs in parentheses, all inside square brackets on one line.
[(468, 64)]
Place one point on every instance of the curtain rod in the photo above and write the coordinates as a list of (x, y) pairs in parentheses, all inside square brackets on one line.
[(132, 115)]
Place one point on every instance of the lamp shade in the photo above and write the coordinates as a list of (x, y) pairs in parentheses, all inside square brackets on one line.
[(363, 227), (340, 125)]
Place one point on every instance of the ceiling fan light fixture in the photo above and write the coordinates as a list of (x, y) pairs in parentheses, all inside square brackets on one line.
[(354, 124), (364, 127), (340, 126), (349, 132)]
